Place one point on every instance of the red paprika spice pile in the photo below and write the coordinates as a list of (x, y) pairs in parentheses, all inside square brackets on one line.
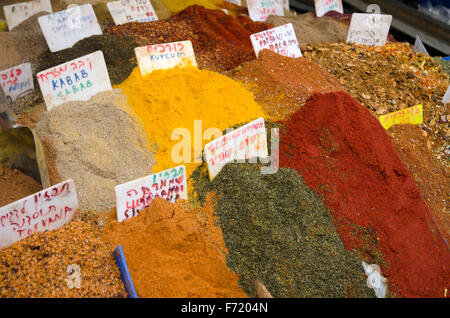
[(344, 153)]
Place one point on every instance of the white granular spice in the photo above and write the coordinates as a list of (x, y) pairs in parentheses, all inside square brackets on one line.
[(99, 145)]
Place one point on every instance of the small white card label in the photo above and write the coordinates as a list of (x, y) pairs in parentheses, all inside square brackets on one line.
[(48, 209), (246, 142), (17, 13), (164, 56), (79, 79), (446, 98), (419, 47), (134, 196), (17, 81), (63, 29), (124, 11), (236, 2), (285, 4), (324, 6), (369, 29), (259, 10), (281, 40)]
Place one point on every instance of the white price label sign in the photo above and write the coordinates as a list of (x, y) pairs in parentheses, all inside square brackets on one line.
[(17, 81), (281, 40), (246, 142), (17, 13), (369, 29), (79, 79), (164, 56), (48, 209), (285, 4), (134, 196), (124, 11), (446, 98), (65, 28), (324, 6), (259, 10), (236, 2)]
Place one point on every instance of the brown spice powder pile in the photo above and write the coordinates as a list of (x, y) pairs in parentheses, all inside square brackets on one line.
[(282, 84), (175, 251), (221, 42), (14, 185), (37, 265)]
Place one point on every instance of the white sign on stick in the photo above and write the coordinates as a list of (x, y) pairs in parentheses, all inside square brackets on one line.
[(164, 56), (17, 81), (246, 142), (79, 79), (281, 40), (324, 6), (446, 98), (17, 13), (63, 29), (124, 11), (369, 29), (48, 209), (134, 196), (284, 3), (259, 10), (236, 2)]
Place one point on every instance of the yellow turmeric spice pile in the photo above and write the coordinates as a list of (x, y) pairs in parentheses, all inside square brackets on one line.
[(169, 99)]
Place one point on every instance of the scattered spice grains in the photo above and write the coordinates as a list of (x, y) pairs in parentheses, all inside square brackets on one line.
[(345, 154), (390, 78), (282, 84), (280, 233), (221, 41), (37, 266), (174, 251), (14, 185)]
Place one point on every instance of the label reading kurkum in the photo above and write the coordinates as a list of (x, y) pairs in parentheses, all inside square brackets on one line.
[(125, 11), (164, 56), (259, 10), (65, 28), (412, 115), (17, 13), (281, 40), (17, 81), (48, 209), (79, 79), (369, 29), (134, 196)]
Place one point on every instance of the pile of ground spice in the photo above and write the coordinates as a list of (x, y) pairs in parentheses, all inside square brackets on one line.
[(38, 265), (98, 144), (432, 179), (14, 185), (344, 153), (445, 65), (280, 233), (310, 29), (176, 99), (173, 250), (221, 41), (282, 84), (390, 78)]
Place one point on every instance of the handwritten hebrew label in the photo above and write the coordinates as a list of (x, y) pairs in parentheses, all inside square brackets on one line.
[(281, 40), (65, 28), (259, 10), (124, 11), (412, 115), (17, 13), (164, 56), (79, 79), (324, 6), (17, 81), (246, 142), (48, 209), (369, 29), (134, 196)]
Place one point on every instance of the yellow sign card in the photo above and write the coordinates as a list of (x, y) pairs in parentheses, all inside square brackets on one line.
[(412, 115)]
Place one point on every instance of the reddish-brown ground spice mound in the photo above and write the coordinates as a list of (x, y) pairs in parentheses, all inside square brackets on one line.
[(282, 84), (432, 178), (221, 41), (14, 185), (343, 152), (175, 251)]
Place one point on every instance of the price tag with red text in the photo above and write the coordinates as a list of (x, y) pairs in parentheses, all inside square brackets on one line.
[(164, 56), (281, 40), (412, 115), (124, 11), (48, 209), (259, 10), (324, 6), (134, 196), (17, 13), (79, 79), (17, 81)]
